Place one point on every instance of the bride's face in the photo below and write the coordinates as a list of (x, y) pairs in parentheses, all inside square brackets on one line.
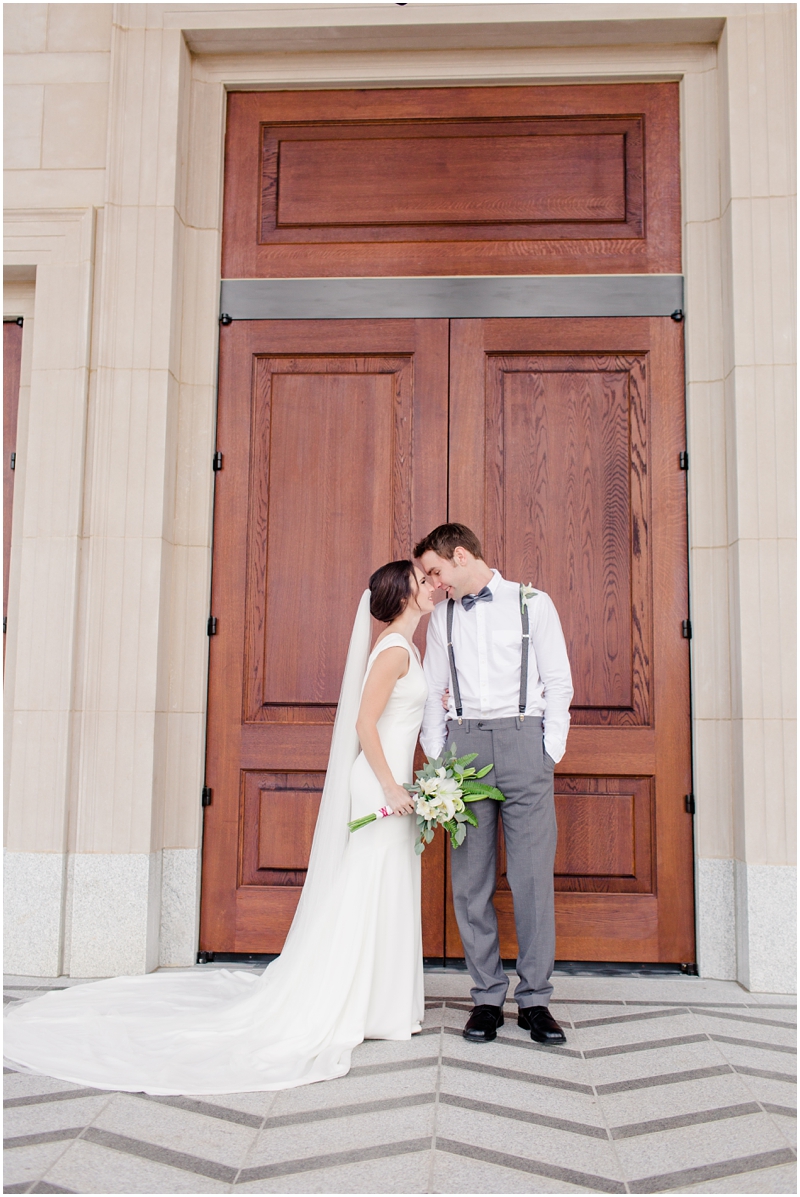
[(422, 599)]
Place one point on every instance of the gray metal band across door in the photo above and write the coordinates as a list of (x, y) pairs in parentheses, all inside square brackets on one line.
[(476, 297)]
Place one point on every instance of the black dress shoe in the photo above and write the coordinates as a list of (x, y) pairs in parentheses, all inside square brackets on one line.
[(541, 1024), (482, 1024)]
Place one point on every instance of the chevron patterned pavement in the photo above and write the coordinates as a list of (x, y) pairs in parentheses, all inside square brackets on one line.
[(665, 1085)]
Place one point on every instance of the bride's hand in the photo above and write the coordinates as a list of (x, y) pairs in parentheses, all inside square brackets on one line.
[(446, 700), (399, 800)]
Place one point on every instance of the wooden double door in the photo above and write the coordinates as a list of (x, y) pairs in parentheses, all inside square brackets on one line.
[(558, 442)]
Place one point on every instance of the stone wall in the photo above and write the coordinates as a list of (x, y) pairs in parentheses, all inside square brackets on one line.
[(114, 158)]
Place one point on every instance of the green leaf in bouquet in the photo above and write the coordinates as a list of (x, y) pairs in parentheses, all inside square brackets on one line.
[(460, 835), (463, 761), (471, 817), (419, 847), (493, 792), (474, 791), (486, 769), (428, 834)]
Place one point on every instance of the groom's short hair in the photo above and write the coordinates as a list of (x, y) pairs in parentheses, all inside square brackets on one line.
[(445, 539)]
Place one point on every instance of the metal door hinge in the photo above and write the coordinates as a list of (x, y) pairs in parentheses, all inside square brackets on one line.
[(13, 320), (216, 461), (677, 315), (689, 803), (13, 462), (5, 624), (683, 460), (205, 796), (226, 319), (205, 957), (687, 629), (212, 626)]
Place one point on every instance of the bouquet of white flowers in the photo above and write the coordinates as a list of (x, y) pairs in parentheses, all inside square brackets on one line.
[(442, 790)]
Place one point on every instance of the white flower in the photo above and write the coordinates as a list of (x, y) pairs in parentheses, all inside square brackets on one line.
[(449, 788), (424, 808), (527, 592), (428, 785)]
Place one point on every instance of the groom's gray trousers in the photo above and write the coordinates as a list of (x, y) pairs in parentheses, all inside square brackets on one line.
[(524, 773)]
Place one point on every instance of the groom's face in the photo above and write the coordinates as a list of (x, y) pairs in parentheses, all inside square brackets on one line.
[(445, 575)]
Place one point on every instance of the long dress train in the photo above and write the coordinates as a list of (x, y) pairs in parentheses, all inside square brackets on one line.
[(351, 968)]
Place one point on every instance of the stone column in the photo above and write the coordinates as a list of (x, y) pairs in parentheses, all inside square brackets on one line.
[(708, 525), (758, 248), (117, 828), (43, 600)]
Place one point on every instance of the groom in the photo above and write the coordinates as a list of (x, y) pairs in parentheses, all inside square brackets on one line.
[(518, 719)]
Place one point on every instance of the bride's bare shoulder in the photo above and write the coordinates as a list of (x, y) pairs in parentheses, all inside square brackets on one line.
[(394, 655)]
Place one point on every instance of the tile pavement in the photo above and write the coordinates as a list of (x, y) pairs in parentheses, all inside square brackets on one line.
[(666, 1085)]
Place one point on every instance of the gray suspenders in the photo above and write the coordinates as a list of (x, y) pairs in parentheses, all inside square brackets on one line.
[(523, 673), (453, 674), (526, 641)]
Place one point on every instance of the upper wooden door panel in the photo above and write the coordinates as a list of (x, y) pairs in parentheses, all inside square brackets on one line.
[(562, 428), (331, 433), (546, 180)]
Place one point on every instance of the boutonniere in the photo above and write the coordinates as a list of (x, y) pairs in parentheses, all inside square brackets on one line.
[(526, 593)]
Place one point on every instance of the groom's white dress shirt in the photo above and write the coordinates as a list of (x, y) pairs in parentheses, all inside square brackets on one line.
[(487, 643)]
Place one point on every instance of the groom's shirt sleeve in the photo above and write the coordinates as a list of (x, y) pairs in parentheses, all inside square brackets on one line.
[(547, 641), (437, 675)]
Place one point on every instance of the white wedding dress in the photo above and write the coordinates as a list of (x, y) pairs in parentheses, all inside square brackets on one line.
[(351, 968)]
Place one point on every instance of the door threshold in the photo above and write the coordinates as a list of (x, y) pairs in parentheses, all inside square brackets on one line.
[(438, 964), (576, 968)]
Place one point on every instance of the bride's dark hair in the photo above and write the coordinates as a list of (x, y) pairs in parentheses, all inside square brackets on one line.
[(390, 589)]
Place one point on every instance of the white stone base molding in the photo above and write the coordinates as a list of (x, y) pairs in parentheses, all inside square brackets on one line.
[(180, 907), (766, 925), (113, 915), (715, 899), (33, 889), (100, 914)]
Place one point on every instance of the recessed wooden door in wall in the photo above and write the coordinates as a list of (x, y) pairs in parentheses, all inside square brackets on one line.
[(334, 443), (564, 444)]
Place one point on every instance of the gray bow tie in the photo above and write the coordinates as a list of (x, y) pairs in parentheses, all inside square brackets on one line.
[(483, 596)]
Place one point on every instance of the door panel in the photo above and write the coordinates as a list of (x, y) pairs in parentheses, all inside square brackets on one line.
[(334, 436), (573, 428), (453, 181)]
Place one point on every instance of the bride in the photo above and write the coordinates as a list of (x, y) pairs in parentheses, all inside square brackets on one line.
[(351, 968)]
